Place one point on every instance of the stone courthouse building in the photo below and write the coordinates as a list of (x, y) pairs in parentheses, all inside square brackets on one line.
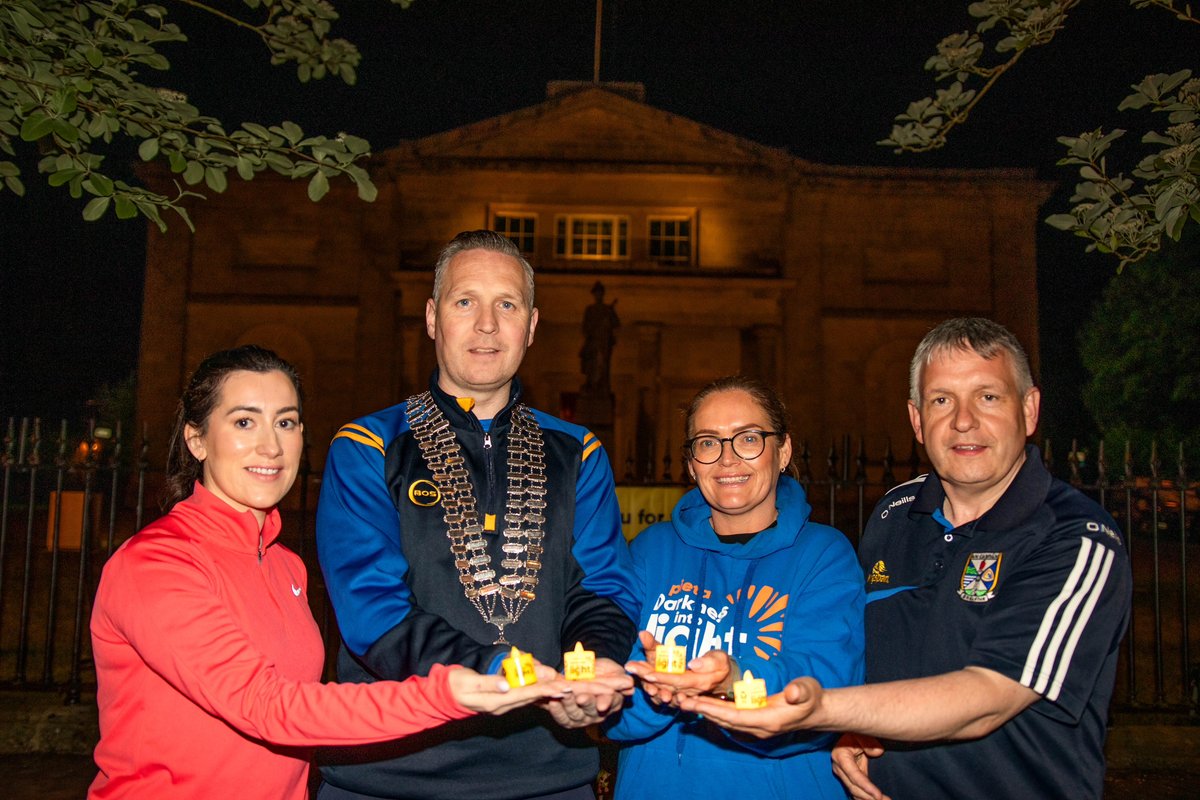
[(721, 256)]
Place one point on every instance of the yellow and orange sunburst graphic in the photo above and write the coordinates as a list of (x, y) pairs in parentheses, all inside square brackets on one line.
[(767, 608)]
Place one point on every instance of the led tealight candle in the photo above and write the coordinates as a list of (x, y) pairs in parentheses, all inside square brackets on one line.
[(670, 657), (518, 669), (750, 692), (579, 664)]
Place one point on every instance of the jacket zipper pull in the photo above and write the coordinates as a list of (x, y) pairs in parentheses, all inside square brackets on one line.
[(487, 441), (260, 542)]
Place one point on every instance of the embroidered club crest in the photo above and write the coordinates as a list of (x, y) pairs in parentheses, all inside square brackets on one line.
[(980, 576)]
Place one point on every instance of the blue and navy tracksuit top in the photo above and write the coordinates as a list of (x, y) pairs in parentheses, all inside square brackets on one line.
[(382, 542)]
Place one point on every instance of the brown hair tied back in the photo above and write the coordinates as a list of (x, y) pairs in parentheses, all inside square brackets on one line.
[(202, 395), (762, 394)]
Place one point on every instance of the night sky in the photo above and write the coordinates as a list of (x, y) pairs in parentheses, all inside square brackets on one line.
[(820, 78)]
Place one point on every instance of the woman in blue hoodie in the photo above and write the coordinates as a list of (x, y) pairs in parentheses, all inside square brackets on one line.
[(741, 578)]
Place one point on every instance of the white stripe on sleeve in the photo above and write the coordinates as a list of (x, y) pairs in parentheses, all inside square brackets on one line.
[(1084, 583), (1039, 641), (1081, 623)]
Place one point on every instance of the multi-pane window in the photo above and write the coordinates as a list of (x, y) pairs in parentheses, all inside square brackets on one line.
[(597, 237), (519, 228), (670, 240)]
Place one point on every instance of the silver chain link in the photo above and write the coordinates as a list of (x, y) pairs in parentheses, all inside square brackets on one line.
[(524, 515)]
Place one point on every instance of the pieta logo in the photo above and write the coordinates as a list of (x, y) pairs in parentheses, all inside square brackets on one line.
[(424, 493)]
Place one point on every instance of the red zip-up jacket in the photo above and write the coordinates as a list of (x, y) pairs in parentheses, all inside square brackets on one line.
[(208, 661)]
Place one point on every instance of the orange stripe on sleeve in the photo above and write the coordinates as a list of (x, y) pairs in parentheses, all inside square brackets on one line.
[(358, 437)]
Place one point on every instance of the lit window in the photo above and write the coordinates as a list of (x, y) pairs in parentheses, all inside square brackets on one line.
[(594, 237), (519, 228), (670, 240)]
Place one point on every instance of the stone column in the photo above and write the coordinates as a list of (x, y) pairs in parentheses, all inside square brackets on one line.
[(161, 356)]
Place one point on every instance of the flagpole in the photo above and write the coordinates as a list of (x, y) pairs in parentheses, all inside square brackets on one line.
[(596, 49)]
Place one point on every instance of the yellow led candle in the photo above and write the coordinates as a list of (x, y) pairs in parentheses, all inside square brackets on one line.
[(670, 657), (518, 669), (580, 664), (750, 692)]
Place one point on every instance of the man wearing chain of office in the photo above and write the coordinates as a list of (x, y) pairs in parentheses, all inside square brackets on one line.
[(461, 523)]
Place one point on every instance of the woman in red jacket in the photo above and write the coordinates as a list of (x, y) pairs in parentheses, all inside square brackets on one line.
[(207, 655)]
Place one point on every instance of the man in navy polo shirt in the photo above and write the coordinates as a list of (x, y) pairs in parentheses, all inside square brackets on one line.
[(997, 599)]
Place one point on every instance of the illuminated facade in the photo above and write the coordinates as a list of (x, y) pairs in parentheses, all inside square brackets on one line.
[(722, 256)]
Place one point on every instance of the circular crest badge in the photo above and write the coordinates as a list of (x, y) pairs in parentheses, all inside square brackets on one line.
[(424, 493)]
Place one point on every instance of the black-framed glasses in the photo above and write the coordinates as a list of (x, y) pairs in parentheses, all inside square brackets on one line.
[(747, 445)]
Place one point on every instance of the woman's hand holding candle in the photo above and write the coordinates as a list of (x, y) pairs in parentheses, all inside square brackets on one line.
[(710, 673), (491, 694), (518, 668)]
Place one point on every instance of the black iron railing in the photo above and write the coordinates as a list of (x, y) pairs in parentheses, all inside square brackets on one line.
[(68, 499)]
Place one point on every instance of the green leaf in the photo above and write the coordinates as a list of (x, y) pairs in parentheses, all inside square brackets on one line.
[(245, 169), (67, 102), (366, 190), (215, 179), (356, 144), (1174, 221), (98, 184), (1064, 222), (96, 208), (35, 126), (63, 176), (318, 187), (292, 131), (125, 207), (194, 173), (64, 130), (258, 130), (182, 212), (21, 21), (278, 162), (152, 213), (15, 185), (97, 127), (148, 149)]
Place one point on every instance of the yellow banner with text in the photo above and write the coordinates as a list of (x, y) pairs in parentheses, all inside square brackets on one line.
[(642, 506)]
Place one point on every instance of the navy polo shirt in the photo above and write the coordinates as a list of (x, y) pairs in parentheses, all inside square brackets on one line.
[(1037, 589)]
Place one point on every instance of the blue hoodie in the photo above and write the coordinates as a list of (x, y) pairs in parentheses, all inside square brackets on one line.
[(787, 603)]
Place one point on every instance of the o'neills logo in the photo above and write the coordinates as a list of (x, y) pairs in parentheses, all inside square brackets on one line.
[(424, 493)]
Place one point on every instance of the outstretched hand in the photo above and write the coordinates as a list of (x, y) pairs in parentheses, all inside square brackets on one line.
[(710, 673), (790, 710), (491, 694), (590, 702)]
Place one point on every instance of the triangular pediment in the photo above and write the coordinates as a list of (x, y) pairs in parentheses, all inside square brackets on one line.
[(591, 124)]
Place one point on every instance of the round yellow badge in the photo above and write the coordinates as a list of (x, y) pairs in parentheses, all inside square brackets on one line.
[(424, 493)]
